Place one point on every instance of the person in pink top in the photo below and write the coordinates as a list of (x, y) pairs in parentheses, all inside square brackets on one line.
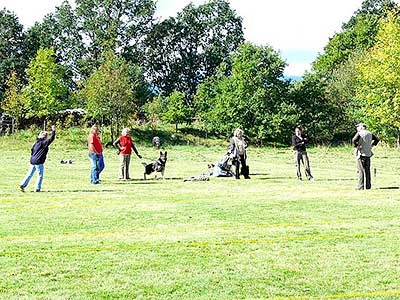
[(125, 146), (95, 154)]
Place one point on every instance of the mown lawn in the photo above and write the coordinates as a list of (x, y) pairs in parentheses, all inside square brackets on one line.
[(270, 237)]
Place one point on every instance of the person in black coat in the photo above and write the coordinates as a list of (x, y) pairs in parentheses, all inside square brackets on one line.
[(237, 151), (38, 158), (299, 142)]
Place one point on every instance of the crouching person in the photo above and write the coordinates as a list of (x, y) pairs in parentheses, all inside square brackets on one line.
[(38, 158), (237, 151)]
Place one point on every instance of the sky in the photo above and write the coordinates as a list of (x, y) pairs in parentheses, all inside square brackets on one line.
[(298, 29)]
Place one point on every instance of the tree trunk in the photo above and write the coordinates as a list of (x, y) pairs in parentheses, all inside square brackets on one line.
[(398, 140)]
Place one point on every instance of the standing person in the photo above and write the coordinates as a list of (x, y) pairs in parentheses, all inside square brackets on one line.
[(363, 142), (38, 158), (237, 151), (299, 142), (95, 154), (125, 145)]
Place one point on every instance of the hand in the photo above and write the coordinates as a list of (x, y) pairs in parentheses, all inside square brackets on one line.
[(53, 127)]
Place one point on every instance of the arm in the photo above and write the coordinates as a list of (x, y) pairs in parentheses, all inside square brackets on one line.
[(117, 144), (136, 151), (52, 136), (375, 140), (355, 139), (92, 149)]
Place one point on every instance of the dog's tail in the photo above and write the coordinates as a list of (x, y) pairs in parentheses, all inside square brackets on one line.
[(144, 164)]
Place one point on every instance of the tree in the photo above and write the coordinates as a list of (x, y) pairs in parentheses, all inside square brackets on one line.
[(46, 92), (357, 34), (108, 93), (14, 103), (11, 42), (176, 112), (119, 26), (254, 97), (184, 50), (380, 80)]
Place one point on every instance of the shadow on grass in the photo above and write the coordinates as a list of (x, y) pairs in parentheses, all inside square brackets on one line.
[(389, 188), (79, 191)]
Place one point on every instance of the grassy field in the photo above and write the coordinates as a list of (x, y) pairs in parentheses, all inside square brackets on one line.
[(270, 237)]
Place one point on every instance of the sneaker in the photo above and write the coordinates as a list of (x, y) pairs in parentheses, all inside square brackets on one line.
[(37, 190), (21, 188)]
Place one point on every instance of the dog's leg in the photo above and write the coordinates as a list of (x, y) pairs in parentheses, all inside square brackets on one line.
[(162, 174), (144, 175)]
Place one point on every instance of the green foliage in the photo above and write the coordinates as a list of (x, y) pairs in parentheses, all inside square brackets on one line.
[(11, 47), (357, 34), (184, 50), (46, 92), (380, 80), (176, 112), (14, 103), (254, 97), (108, 92)]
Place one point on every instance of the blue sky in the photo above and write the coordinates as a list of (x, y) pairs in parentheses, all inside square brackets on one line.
[(299, 29)]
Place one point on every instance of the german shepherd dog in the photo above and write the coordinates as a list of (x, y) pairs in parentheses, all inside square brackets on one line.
[(157, 166)]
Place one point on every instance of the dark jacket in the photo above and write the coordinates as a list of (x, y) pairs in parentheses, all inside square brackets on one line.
[(299, 144), (233, 148), (40, 149)]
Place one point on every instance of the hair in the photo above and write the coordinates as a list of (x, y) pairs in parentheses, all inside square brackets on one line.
[(42, 135), (94, 128), (299, 128), (237, 132), (125, 130)]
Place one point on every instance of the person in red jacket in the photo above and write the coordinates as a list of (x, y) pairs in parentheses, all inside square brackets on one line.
[(125, 146), (95, 154)]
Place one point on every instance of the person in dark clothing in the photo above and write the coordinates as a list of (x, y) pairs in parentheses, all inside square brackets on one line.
[(237, 151), (363, 142), (299, 142), (38, 158)]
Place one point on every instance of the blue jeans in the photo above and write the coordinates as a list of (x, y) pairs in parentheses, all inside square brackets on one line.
[(28, 177), (97, 166)]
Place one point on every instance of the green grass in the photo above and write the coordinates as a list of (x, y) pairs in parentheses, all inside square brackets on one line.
[(270, 237)]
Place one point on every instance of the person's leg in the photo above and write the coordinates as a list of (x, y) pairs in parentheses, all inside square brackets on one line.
[(236, 163), (245, 168), (367, 168), (28, 176), (127, 162), (307, 165), (121, 166), (360, 171), (93, 168), (39, 181), (101, 163), (297, 161)]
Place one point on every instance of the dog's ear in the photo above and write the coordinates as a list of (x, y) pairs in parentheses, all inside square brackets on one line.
[(161, 153), (165, 152)]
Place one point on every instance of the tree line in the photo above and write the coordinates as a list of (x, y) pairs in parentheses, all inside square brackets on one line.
[(119, 63)]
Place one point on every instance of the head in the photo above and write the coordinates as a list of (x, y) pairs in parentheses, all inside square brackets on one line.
[(95, 129), (361, 126), (125, 131), (163, 156), (238, 133), (298, 130), (42, 135)]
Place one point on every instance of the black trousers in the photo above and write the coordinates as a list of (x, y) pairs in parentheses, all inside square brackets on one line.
[(364, 172), (241, 161)]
